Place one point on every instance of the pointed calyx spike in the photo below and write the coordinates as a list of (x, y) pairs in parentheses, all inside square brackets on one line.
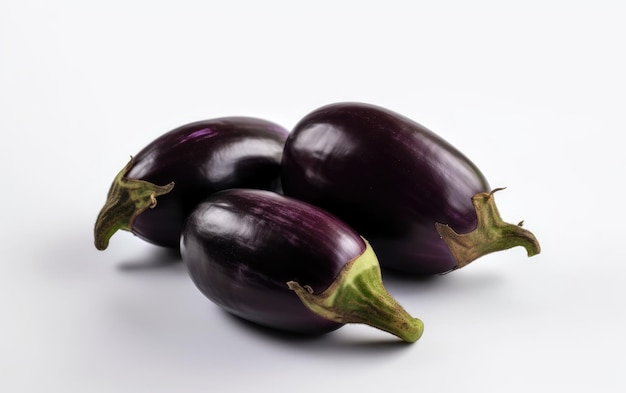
[(127, 198), (358, 296), (491, 234)]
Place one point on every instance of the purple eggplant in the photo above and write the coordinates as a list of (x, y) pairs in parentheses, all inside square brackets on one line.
[(288, 265), (423, 205), (182, 167)]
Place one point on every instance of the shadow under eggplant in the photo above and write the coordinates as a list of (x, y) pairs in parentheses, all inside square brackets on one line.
[(157, 258), (335, 341)]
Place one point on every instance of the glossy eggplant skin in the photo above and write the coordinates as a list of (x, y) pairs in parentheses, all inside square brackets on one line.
[(201, 158), (242, 246), (388, 177)]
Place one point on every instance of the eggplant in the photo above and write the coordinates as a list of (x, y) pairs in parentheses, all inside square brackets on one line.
[(287, 265), (423, 205), (181, 167)]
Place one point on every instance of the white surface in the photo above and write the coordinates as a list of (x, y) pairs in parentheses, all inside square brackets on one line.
[(533, 94)]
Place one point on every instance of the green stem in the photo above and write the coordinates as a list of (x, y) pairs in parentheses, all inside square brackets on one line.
[(491, 234), (358, 296), (127, 198)]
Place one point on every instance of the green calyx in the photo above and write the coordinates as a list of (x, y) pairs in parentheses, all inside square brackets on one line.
[(127, 198), (491, 234), (358, 296)]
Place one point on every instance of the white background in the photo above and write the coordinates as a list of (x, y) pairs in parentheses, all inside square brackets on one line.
[(532, 92)]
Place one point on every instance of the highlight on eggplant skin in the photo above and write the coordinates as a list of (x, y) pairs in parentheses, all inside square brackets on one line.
[(152, 195), (287, 265), (412, 194)]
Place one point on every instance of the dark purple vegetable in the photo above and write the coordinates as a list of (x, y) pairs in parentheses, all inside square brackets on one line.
[(392, 180), (182, 167), (288, 265)]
